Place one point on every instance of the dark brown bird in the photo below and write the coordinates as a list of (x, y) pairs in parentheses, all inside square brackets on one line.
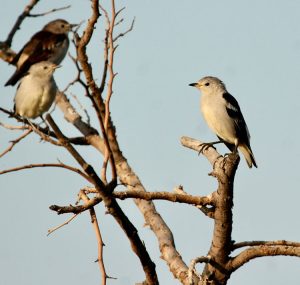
[(50, 44)]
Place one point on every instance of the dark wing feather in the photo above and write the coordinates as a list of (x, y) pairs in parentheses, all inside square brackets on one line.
[(234, 111), (39, 48)]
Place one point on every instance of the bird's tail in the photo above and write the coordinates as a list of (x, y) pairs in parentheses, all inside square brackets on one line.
[(14, 79), (248, 154)]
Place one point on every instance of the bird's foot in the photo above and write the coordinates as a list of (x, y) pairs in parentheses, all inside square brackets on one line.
[(205, 146)]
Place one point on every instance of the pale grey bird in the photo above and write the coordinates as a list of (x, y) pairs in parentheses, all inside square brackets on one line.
[(223, 115), (36, 91), (49, 44)]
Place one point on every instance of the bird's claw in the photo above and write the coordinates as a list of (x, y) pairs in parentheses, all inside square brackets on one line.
[(205, 146)]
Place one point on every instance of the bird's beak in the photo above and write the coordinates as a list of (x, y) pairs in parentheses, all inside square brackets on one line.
[(55, 66), (193, 84), (73, 26)]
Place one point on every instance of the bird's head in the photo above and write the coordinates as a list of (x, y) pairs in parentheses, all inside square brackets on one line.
[(43, 69), (59, 26), (208, 84)]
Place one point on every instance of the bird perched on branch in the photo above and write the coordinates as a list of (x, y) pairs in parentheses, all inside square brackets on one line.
[(49, 44), (36, 91), (223, 115)]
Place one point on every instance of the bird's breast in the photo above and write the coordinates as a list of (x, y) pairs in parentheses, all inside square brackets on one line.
[(215, 114)]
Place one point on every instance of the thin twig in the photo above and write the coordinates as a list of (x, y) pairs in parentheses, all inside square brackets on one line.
[(119, 12), (126, 32), (19, 21), (95, 96), (37, 165), (50, 231), (111, 49), (11, 127), (80, 81), (14, 142), (88, 169), (44, 133), (95, 223), (266, 243), (84, 110), (49, 12), (44, 136), (77, 78)]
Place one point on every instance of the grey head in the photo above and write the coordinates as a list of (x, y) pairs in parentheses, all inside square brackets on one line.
[(59, 26), (209, 84), (43, 69)]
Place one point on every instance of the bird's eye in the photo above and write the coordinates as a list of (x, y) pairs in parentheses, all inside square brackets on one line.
[(45, 67), (206, 84), (62, 25)]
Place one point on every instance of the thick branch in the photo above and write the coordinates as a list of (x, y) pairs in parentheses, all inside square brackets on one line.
[(173, 197), (224, 170), (210, 153), (148, 196)]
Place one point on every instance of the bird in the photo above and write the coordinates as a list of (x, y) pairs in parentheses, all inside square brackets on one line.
[(223, 115), (36, 91), (49, 44)]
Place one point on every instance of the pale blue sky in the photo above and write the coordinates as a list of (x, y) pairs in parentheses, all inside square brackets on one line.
[(254, 47)]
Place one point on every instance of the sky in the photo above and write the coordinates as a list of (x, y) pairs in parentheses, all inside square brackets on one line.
[(254, 47)]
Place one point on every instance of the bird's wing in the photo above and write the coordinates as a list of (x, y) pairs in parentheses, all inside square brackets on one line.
[(40, 47), (234, 112)]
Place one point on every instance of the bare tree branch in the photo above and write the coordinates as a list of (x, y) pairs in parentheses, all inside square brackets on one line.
[(261, 251), (131, 180), (219, 264), (109, 56), (81, 43), (85, 166), (112, 206), (262, 242), (100, 243), (210, 153), (19, 21), (14, 142), (148, 196), (49, 12), (38, 165), (192, 270), (126, 32), (50, 231), (11, 127)]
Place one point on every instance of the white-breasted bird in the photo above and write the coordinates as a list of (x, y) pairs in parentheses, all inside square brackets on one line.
[(49, 44), (223, 115), (36, 91)]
